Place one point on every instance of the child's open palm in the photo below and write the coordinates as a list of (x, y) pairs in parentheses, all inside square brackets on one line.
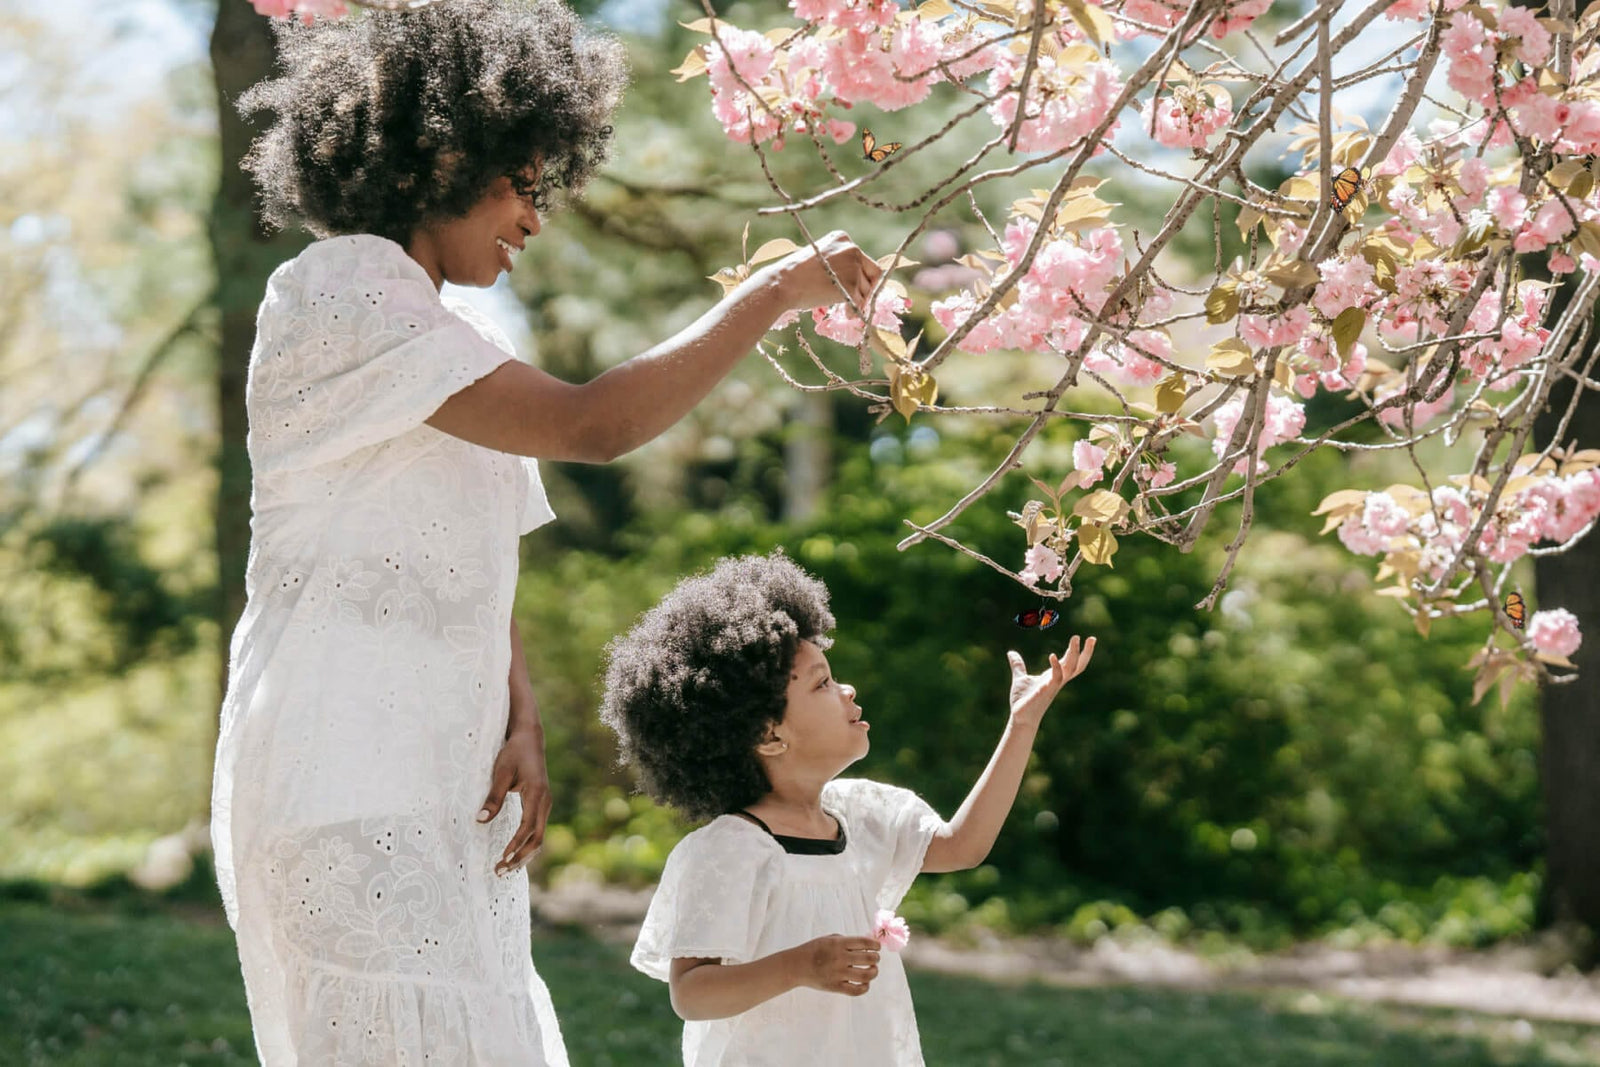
[(1031, 694)]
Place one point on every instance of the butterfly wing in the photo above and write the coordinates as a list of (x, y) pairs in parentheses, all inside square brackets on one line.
[(1048, 617), (1027, 619), (868, 143), (1345, 187), (1517, 610)]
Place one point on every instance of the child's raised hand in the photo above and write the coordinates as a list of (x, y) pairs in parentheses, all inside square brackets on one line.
[(838, 964), (1031, 694)]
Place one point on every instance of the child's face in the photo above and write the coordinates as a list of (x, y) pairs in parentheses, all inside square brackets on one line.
[(821, 722)]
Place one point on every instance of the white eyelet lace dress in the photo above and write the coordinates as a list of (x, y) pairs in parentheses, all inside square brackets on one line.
[(367, 692), (731, 891)]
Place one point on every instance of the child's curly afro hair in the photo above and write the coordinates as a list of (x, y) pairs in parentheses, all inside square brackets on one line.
[(695, 685), (397, 118)]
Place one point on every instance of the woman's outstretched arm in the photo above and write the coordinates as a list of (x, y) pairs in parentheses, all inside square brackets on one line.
[(522, 410)]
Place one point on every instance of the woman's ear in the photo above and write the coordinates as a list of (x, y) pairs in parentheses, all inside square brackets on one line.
[(772, 747)]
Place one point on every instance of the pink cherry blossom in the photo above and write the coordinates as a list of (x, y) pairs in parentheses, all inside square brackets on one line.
[(1407, 10), (1384, 516), (1065, 101), (1041, 564), (1522, 25), (890, 930), (1238, 15), (847, 14), (1474, 178), (1163, 474), (839, 323), (307, 10), (1360, 540), (1089, 461), (1346, 283), (1284, 421), (1555, 632), (1185, 118)]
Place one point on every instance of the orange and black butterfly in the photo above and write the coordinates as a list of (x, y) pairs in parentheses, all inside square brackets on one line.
[(1040, 618), (872, 151), (1516, 610), (1346, 184)]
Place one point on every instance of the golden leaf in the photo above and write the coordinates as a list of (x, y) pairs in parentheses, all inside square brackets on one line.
[(730, 277), (1290, 273), (1301, 187), (1171, 393), (911, 388), (694, 64), (1347, 329), (1342, 502), (776, 248), (1101, 506), (1231, 357), (1222, 304), (894, 261), (1098, 545), (1095, 22)]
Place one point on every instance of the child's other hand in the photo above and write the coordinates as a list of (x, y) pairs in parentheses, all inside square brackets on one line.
[(1031, 694), (838, 964)]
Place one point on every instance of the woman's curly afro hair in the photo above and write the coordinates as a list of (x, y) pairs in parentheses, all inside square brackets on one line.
[(694, 687), (398, 118)]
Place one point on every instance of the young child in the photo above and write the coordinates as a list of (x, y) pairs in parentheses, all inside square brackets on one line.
[(762, 926)]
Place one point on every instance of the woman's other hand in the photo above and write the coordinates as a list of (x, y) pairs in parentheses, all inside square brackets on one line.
[(806, 283), (520, 768)]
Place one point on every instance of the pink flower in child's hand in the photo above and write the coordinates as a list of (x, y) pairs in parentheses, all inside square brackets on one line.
[(891, 930)]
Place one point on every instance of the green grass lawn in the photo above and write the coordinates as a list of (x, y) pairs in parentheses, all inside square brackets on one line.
[(120, 986)]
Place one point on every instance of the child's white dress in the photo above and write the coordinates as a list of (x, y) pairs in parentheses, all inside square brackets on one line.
[(731, 891)]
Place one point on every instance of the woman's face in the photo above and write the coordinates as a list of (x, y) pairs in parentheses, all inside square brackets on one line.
[(821, 722), (475, 248)]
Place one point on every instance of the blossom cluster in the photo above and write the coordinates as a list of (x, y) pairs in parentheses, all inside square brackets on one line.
[(1424, 532)]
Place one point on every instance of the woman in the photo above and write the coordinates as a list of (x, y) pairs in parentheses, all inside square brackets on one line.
[(377, 687)]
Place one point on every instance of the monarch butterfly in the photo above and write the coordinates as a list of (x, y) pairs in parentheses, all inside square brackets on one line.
[(1346, 184), (870, 150), (1040, 618), (1516, 609)]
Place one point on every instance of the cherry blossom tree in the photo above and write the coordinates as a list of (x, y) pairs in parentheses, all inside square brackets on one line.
[(1406, 266)]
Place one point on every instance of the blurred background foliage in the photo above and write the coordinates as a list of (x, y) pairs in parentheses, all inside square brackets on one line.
[(1299, 762)]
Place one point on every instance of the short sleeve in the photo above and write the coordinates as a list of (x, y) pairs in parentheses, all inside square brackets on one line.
[(536, 510), (353, 347), (893, 825), (712, 900)]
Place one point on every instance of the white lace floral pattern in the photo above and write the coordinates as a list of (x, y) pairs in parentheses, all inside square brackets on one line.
[(730, 891), (367, 685)]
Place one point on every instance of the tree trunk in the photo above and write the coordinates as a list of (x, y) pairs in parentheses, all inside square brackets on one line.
[(1570, 714), (808, 456), (244, 254)]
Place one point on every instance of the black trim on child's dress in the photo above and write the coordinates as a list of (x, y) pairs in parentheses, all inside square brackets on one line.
[(802, 846)]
